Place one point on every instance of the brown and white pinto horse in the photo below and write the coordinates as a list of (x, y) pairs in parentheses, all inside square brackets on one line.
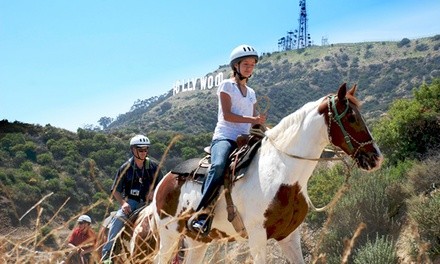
[(272, 196)]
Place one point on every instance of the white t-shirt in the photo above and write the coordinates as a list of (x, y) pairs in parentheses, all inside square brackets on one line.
[(240, 105)]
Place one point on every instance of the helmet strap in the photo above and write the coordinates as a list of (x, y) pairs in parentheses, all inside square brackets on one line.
[(135, 154), (240, 76)]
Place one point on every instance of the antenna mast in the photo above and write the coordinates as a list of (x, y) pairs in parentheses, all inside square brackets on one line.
[(299, 38), (303, 36)]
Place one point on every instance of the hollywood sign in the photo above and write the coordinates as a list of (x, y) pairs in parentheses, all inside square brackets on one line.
[(202, 83)]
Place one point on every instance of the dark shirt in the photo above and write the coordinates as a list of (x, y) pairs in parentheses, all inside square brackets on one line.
[(135, 183)]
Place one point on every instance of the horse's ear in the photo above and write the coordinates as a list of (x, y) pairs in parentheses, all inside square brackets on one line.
[(342, 91), (352, 90)]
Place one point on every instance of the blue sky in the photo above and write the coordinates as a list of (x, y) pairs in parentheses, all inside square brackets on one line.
[(69, 63)]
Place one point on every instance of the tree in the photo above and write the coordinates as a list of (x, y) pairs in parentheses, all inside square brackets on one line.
[(403, 42), (410, 128), (165, 106), (429, 96), (105, 121)]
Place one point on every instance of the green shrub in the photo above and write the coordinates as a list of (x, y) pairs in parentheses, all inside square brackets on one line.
[(404, 42), (45, 158), (20, 156), (25, 195), (400, 170), (10, 140), (48, 173), (424, 176), (410, 130), (422, 47), (333, 247), (366, 201), (53, 185), (26, 166), (3, 179), (368, 54), (380, 251), (425, 211), (46, 238), (322, 187)]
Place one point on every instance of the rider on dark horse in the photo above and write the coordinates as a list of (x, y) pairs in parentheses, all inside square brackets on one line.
[(132, 187)]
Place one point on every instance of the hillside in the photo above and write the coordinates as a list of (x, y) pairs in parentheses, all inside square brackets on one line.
[(59, 174), (383, 72)]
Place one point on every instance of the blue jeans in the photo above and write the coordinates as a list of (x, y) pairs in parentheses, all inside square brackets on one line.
[(115, 226), (220, 151)]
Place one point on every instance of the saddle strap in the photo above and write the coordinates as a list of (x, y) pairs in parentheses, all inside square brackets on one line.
[(233, 214)]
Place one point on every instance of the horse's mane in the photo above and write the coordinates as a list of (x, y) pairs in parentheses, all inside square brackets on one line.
[(286, 131)]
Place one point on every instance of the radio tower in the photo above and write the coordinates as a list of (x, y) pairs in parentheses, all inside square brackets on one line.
[(303, 37), (299, 38)]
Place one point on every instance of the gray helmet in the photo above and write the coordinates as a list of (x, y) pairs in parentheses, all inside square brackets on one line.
[(241, 52), (139, 141)]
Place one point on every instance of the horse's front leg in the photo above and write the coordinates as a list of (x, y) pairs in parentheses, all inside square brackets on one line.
[(168, 246), (257, 245), (291, 247), (195, 252)]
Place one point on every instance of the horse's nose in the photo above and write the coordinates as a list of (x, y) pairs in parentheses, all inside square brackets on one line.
[(369, 161), (378, 158)]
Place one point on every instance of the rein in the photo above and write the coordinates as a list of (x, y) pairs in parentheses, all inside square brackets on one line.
[(304, 158), (334, 116)]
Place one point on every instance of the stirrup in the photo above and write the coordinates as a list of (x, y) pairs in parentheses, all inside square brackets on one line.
[(203, 230)]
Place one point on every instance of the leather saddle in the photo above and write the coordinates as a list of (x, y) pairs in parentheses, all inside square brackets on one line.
[(196, 169)]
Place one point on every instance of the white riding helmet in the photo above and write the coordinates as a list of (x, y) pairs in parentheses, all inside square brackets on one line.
[(85, 218), (139, 141), (241, 52)]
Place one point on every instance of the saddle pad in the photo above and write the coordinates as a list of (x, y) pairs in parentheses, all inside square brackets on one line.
[(246, 159), (188, 167)]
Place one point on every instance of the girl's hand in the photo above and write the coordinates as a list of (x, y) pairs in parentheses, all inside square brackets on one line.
[(260, 119)]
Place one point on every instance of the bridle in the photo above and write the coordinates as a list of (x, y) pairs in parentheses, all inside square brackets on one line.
[(333, 116)]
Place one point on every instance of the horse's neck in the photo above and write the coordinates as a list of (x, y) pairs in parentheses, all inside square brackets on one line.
[(298, 139), (301, 134), (312, 138)]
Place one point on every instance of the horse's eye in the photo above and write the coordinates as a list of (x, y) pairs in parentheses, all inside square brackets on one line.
[(351, 117)]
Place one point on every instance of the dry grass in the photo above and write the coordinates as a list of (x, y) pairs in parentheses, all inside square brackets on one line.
[(24, 245), (31, 245), (28, 246)]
